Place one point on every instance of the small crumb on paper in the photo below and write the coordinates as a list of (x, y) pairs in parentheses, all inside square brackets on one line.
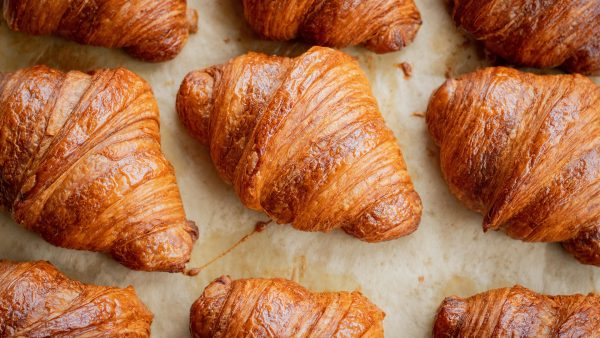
[(421, 279), (418, 114), (406, 69)]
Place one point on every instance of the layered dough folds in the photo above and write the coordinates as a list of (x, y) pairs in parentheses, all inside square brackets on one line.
[(518, 312), (381, 25), (524, 150), (281, 308), (37, 300), (151, 30), (81, 164), (302, 139), (552, 33)]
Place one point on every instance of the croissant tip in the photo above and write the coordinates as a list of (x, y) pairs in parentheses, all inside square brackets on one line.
[(192, 20)]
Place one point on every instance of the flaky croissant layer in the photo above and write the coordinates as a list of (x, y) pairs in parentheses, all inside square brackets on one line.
[(551, 33), (281, 308), (37, 300), (381, 25), (81, 164), (151, 30), (518, 312), (302, 139), (524, 150)]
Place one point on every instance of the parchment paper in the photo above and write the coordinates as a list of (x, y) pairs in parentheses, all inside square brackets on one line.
[(407, 278)]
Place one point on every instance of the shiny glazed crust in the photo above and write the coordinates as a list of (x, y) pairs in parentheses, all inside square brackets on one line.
[(281, 308), (150, 30), (302, 139), (518, 312), (380, 25), (37, 300), (524, 150), (81, 164), (551, 33)]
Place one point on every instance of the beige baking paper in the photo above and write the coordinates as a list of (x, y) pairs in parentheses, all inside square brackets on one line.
[(407, 278)]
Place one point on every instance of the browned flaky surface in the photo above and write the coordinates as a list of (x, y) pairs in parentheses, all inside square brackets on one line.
[(81, 164), (281, 308), (37, 300), (518, 312), (151, 30), (380, 25), (550, 33), (303, 140), (524, 150)]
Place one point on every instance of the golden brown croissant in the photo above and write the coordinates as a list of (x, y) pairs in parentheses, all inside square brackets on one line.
[(281, 308), (37, 300), (550, 33), (81, 164), (524, 150), (151, 30), (518, 312), (380, 25), (302, 139)]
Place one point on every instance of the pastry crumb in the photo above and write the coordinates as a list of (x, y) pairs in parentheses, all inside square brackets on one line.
[(406, 69)]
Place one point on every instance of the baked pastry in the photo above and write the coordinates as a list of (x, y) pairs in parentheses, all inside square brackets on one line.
[(281, 308), (518, 312), (150, 30), (524, 150), (380, 25), (37, 300), (81, 164), (551, 33), (302, 139)]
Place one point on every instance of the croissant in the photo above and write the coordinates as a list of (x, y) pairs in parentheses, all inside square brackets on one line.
[(150, 30), (281, 308), (524, 150), (551, 33), (302, 139), (380, 25), (37, 300), (518, 312), (81, 164)]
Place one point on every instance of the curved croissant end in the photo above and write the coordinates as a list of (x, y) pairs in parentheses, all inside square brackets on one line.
[(150, 30), (37, 300), (281, 308), (523, 150), (381, 25), (303, 140), (81, 164), (518, 312), (558, 33)]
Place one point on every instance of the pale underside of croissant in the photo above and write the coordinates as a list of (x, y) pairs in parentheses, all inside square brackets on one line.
[(151, 30), (380, 25), (281, 308), (553, 33), (302, 139), (524, 150), (81, 164), (518, 312), (37, 300)]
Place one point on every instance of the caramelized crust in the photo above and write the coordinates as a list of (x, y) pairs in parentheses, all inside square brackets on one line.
[(37, 300), (81, 164), (518, 312), (151, 30), (551, 33), (281, 308), (302, 139), (524, 150), (381, 25)]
